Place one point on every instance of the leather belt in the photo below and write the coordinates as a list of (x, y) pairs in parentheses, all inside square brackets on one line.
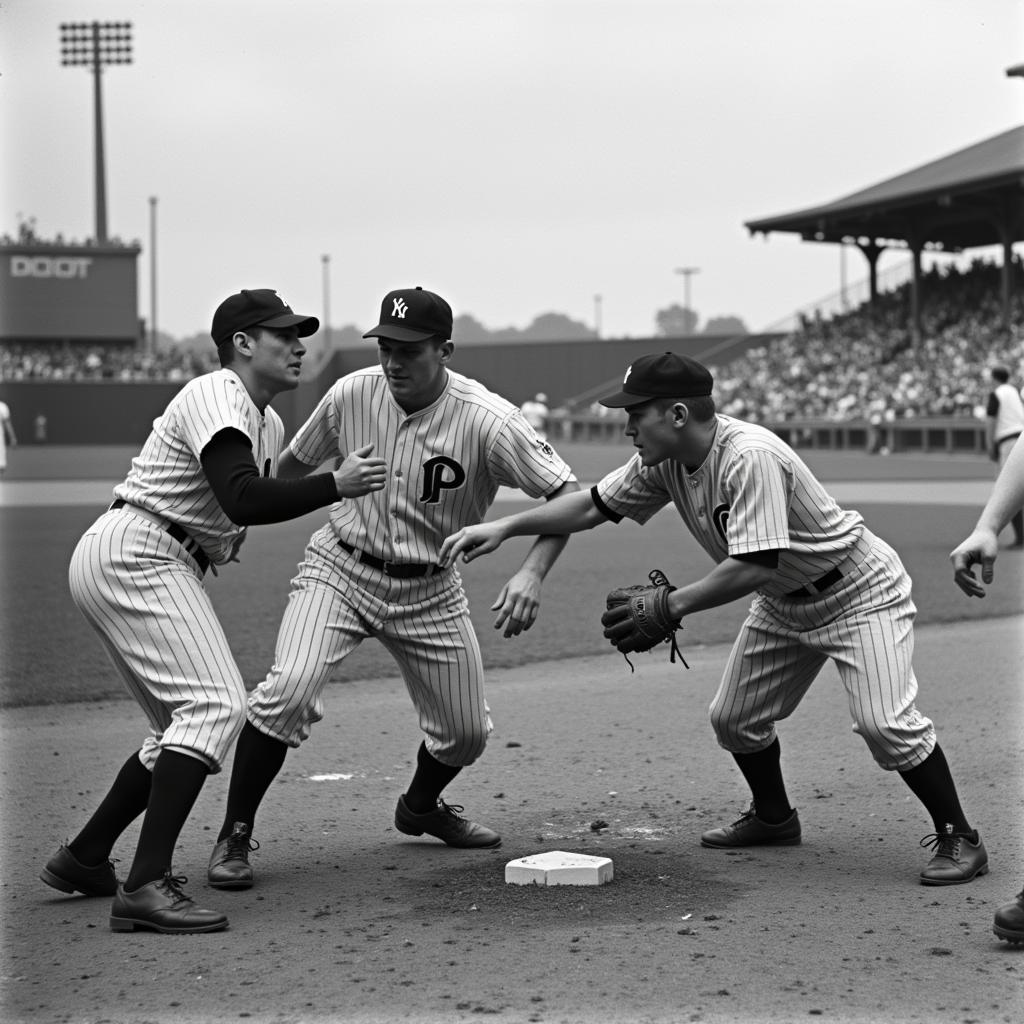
[(818, 586), (397, 570), (180, 534)]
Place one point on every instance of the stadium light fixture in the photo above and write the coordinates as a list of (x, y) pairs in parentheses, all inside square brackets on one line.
[(687, 273), (1015, 71), (93, 45)]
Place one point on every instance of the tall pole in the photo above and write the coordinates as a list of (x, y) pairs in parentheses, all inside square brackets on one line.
[(93, 45), (597, 315), (151, 349), (101, 170), (687, 273), (326, 259)]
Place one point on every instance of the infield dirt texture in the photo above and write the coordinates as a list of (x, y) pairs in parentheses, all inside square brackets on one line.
[(351, 921)]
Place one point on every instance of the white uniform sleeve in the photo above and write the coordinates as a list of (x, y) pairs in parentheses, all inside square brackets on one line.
[(518, 457), (316, 440), (759, 492), (633, 491), (214, 403)]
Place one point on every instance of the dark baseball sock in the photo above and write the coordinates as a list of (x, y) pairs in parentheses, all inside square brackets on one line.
[(258, 759), (763, 772), (932, 783), (177, 780), (125, 801), (429, 780)]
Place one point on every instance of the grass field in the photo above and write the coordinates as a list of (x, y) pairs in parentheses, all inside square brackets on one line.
[(51, 656)]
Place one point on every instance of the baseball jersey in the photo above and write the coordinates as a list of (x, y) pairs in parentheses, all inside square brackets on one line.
[(1007, 409), (445, 462), (752, 493), (167, 477), (5, 418)]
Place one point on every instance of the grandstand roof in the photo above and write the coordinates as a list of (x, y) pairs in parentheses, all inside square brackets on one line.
[(956, 202)]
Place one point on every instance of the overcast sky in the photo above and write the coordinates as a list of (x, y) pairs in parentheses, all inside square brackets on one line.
[(517, 156)]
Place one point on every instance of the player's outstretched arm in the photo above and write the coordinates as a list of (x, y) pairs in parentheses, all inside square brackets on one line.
[(570, 513), (982, 546), (518, 603)]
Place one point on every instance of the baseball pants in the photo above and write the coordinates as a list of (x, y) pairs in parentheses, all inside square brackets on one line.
[(143, 594), (334, 604), (865, 624)]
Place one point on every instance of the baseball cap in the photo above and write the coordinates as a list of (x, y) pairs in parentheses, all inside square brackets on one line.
[(665, 375), (258, 307), (413, 314)]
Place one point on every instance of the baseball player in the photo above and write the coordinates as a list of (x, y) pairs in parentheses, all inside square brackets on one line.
[(982, 548), (449, 443), (1005, 422), (7, 436), (824, 587), (202, 477)]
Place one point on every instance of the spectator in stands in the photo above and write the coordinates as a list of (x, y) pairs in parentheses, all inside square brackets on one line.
[(535, 412)]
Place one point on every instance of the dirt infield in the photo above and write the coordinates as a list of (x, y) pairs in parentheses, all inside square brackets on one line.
[(352, 922)]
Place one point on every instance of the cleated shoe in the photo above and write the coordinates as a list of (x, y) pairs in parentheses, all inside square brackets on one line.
[(65, 872), (446, 825), (161, 906), (1009, 921), (750, 830), (229, 863), (958, 858)]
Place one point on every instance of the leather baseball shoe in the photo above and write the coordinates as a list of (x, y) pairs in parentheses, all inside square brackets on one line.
[(1009, 922), (65, 872), (750, 830), (446, 825), (229, 863), (958, 858), (161, 906)]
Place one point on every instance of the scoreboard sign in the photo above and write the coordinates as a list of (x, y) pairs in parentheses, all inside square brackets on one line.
[(84, 293)]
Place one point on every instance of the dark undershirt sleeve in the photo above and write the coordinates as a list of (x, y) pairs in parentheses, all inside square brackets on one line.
[(249, 499), (768, 558), (602, 507)]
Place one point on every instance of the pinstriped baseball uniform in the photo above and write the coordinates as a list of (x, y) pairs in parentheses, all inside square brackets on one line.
[(142, 590), (445, 464), (753, 493)]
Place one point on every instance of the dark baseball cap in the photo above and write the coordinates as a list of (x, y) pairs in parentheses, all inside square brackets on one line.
[(665, 375), (413, 314), (258, 307)]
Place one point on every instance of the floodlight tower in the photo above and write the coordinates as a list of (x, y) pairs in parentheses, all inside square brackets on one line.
[(93, 44)]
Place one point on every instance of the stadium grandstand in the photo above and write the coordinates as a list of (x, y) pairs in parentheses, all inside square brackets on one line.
[(915, 349)]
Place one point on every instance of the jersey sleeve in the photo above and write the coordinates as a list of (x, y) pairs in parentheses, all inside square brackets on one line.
[(316, 440), (632, 491), (212, 403), (518, 457), (760, 490)]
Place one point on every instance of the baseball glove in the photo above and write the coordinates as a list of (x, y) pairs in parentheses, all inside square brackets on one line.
[(637, 619)]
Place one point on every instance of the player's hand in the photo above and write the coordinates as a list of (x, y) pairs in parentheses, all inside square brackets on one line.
[(981, 548), (471, 542), (518, 603), (360, 474)]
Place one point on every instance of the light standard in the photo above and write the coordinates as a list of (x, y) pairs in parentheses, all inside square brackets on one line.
[(326, 260), (152, 277), (94, 45), (597, 315), (687, 273)]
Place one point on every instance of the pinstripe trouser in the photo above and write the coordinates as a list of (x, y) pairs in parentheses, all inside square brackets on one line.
[(335, 603), (143, 594), (865, 624)]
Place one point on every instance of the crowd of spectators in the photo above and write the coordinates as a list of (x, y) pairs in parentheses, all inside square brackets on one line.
[(78, 362), (867, 364)]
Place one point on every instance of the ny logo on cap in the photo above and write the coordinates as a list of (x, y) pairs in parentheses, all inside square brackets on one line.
[(628, 372), (399, 308)]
